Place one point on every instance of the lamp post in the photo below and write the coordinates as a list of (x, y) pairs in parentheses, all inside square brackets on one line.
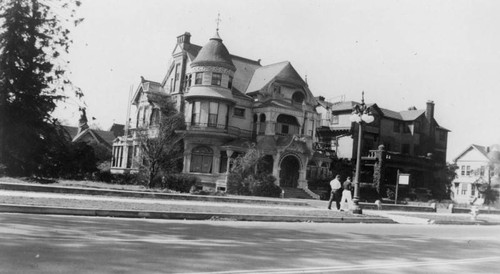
[(361, 114)]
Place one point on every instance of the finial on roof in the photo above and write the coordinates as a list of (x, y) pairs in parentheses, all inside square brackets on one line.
[(217, 21), (363, 97)]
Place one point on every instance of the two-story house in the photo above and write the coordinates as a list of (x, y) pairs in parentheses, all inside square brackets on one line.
[(231, 103), (474, 169), (413, 141)]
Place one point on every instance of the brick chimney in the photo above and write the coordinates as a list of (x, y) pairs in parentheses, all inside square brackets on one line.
[(184, 38), (429, 111)]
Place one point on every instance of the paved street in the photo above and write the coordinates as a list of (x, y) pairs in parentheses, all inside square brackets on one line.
[(67, 244)]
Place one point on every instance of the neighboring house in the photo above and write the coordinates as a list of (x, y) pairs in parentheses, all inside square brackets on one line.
[(474, 169), (230, 102), (413, 141), (83, 133)]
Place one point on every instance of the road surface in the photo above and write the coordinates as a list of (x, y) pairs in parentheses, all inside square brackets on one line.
[(68, 244)]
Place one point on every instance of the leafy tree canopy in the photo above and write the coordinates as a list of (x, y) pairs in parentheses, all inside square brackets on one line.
[(33, 36)]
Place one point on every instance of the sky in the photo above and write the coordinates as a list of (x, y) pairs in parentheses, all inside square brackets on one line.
[(400, 53)]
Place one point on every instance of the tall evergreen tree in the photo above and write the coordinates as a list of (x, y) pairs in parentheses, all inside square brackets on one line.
[(32, 81)]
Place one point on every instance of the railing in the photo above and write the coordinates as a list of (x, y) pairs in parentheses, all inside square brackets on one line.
[(394, 157), (219, 128)]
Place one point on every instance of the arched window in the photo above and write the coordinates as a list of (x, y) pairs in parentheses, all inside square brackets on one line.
[(287, 125), (298, 97), (155, 117), (201, 159)]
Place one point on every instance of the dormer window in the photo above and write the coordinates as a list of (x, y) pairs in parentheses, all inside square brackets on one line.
[(198, 78), (216, 79)]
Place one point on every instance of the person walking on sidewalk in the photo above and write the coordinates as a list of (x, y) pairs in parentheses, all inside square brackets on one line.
[(336, 192), (346, 201)]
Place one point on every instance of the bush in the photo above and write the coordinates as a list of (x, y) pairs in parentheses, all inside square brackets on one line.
[(236, 185), (319, 183), (177, 182), (264, 186), (125, 179)]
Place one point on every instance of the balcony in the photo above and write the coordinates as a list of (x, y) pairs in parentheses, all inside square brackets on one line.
[(394, 159), (208, 128)]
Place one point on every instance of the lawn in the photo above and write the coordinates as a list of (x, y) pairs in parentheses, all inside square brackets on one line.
[(77, 183)]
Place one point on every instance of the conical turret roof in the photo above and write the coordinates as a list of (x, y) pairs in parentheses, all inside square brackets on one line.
[(214, 53)]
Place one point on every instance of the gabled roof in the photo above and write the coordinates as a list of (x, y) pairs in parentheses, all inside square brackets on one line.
[(152, 89), (72, 131), (343, 106), (282, 71), (411, 115), (483, 150), (117, 129)]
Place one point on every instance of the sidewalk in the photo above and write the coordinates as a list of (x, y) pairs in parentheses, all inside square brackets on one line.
[(112, 206), (97, 202)]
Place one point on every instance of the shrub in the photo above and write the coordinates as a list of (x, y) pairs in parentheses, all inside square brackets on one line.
[(318, 183), (264, 186), (125, 179), (177, 182), (236, 185)]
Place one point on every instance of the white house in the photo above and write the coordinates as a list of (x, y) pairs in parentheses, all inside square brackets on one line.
[(473, 169)]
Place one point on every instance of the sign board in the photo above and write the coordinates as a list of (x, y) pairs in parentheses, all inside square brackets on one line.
[(404, 179)]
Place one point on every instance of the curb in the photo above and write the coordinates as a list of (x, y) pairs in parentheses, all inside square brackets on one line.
[(8, 208), (151, 195)]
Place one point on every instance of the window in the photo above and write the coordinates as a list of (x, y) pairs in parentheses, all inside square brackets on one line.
[(468, 171), (482, 170), (240, 112), (464, 190), (188, 80), (462, 170), (298, 97), (277, 89), (201, 160), (406, 128), (216, 79), (397, 126), (195, 118), (198, 78), (334, 120), (177, 72), (223, 162), (405, 149), (155, 117), (212, 114), (230, 83), (472, 190)]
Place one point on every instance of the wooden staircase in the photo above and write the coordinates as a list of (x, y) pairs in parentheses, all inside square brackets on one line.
[(296, 193)]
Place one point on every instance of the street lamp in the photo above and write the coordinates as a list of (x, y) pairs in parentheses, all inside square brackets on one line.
[(361, 114)]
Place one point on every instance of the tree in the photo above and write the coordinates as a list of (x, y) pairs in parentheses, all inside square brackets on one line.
[(32, 80), (441, 188), (250, 175), (161, 146)]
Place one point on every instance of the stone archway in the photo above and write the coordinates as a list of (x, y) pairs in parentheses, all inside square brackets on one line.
[(289, 171)]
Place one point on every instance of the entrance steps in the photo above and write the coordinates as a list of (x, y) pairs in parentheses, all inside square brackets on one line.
[(296, 193)]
